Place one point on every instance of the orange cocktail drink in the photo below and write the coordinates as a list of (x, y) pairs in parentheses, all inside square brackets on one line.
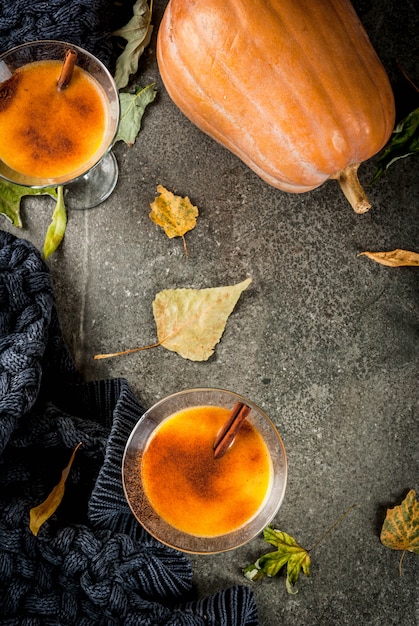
[(190, 489), (204, 470), (48, 133)]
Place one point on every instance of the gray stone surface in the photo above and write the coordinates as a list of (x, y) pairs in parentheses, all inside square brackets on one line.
[(326, 342)]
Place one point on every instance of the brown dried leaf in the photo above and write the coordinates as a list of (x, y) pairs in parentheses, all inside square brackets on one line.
[(395, 258), (176, 215), (192, 321), (41, 513)]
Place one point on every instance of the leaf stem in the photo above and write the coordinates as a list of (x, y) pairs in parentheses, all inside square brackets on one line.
[(401, 562), (329, 530), (123, 352)]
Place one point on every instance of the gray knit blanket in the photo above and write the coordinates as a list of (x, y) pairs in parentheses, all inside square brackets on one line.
[(87, 23), (91, 563)]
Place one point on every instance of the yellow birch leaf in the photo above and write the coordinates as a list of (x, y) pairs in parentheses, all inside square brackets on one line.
[(192, 321), (41, 513), (400, 530), (175, 214), (395, 258)]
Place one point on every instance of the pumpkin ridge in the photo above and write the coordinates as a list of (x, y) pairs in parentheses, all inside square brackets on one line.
[(348, 151), (331, 148), (300, 103), (367, 49), (204, 123), (178, 56), (304, 101)]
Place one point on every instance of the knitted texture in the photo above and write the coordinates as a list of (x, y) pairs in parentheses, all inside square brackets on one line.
[(84, 22), (91, 563)]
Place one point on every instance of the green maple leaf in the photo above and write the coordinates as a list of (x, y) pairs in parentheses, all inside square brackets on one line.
[(133, 106), (288, 552), (403, 143), (11, 195), (137, 33)]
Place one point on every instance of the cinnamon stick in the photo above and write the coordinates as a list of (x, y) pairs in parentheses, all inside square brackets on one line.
[(67, 70), (228, 432)]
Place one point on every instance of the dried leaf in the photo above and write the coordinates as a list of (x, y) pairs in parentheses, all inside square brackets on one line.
[(192, 321), (133, 106), (137, 33), (400, 530), (11, 196), (403, 143), (56, 229), (176, 215), (288, 553), (395, 258), (41, 513)]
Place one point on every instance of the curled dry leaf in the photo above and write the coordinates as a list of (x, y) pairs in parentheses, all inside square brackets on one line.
[(400, 530), (137, 34), (41, 513), (395, 258), (176, 215), (57, 227)]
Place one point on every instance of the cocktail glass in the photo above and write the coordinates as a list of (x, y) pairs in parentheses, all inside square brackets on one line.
[(94, 179), (204, 476)]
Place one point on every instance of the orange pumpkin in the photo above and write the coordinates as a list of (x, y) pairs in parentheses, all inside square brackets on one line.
[(292, 87)]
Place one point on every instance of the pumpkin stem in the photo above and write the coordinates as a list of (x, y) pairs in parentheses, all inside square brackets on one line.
[(352, 188)]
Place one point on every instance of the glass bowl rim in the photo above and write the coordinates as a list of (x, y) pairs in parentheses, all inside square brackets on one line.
[(40, 182), (221, 543)]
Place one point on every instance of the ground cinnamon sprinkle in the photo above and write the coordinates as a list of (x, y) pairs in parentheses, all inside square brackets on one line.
[(8, 90), (190, 488), (45, 133)]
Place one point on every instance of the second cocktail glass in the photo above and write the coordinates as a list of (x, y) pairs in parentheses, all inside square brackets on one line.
[(186, 497)]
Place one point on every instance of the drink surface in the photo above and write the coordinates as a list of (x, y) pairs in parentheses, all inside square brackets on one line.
[(48, 133), (191, 490)]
